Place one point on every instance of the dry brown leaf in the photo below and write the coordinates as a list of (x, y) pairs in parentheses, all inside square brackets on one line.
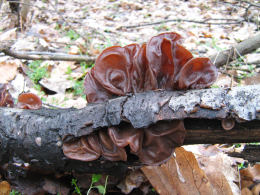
[(133, 180), (159, 179), (254, 80), (54, 187), (219, 168), (8, 71), (256, 189), (221, 173), (206, 35), (214, 174), (246, 191), (249, 175), (59, 81), (5, 188), (180, 175)]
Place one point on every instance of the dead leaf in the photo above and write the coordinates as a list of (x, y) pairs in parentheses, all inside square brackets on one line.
[(250, 175), (54, 187), (133, 180), (246, 191), (256, 189), (5, 188), (59, 79), (206, 35), (254, 80), (219, 168), (8, 71), (180, 175)]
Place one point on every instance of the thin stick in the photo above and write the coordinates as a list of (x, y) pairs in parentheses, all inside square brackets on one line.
[(47, 56), (231, 21)]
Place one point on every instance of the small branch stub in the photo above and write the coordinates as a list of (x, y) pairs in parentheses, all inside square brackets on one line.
[(228, 123)]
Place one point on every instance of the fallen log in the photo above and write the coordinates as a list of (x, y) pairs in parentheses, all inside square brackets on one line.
[(251, 153), (36, 136)]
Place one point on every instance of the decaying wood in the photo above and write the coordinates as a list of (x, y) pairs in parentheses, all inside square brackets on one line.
[(36, 136)]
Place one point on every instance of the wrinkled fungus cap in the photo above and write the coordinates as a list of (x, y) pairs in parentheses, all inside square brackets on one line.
[(29, 101), (161, 63), (84, 148)]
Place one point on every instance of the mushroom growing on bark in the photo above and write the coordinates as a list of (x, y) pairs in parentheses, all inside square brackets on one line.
[(162, 63), (29, 101)]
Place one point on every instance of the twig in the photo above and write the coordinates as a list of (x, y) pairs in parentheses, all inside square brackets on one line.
[(247, 46), (47, 56), (228, 74), (53, 106), (206, 21), (252, 4), (236, 68)]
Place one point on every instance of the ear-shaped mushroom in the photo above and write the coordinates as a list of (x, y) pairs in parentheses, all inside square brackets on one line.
[(109, 150), (126, 135), (142, 76), (95, 93), (197, 73), (160, 140), (165, 58), (29, 101), (112, 70), (84, 148), (6, 99)]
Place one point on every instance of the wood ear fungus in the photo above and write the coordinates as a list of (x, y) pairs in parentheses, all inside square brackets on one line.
[(162, 63), (29, 101)]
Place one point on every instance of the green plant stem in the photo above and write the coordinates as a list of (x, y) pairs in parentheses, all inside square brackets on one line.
[(91, 186), (106, 185)]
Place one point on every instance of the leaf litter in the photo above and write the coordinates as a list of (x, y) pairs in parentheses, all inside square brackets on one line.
[(88, 27)]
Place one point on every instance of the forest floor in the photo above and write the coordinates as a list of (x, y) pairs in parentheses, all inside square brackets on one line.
[(88, 27)]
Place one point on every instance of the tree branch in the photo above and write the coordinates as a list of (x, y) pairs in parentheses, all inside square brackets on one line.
[(46, 56), (247, 46), (36, 136)]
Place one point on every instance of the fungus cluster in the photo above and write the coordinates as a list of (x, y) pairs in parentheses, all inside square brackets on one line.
[(162, 63)]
